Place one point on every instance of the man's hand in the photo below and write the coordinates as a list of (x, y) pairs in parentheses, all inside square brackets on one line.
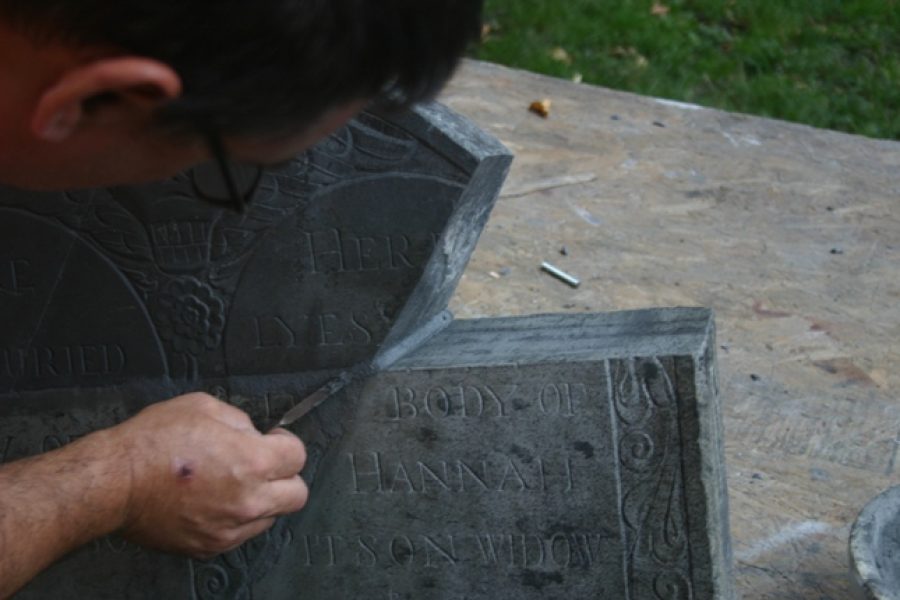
[(190, 475), (203, 479)]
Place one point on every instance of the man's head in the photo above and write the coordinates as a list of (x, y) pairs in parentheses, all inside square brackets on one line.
[(98, 92)]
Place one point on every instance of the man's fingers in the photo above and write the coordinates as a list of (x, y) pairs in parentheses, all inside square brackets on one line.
[(281, 431), (241, 534), (234, 417), (288, 453), (285, 496), (222, 411)]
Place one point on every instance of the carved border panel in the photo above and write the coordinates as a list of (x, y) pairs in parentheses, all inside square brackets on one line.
[(652, 494)]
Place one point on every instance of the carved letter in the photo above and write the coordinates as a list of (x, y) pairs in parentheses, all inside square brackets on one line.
[(402, 475), (115, 356), (359, 334), (585, 548), (500, 402), (568, 478), (306, 546), (399, 245), (365, 555), (351, 253), (512, 473), (437, 402), (307, 262), (561, 547), (332, 553), (441, 481), (12, 277), (368, 257), (478, 401), (447, 554), (91, 363), (68, 361), (549, 400), (327, 251), (556, 400), (463, 468), (374, 473), (539, 559), (486, 543), (44, 362), (327, 335), (273, 333), (404, 408), (403, 553)]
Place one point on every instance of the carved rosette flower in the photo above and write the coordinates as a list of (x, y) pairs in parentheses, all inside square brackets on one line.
[(191, 316)]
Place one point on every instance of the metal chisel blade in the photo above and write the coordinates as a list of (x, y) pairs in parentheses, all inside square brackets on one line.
[(382, 360)]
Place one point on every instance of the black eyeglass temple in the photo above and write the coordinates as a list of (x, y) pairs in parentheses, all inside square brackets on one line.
[(218, 151)]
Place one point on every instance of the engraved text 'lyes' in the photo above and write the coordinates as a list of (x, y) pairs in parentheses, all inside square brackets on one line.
[(325, 329)]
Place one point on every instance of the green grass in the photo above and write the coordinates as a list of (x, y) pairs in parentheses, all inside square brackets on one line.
[(827, 63)]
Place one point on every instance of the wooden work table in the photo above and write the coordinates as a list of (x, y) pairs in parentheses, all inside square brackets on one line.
[(791, 234)]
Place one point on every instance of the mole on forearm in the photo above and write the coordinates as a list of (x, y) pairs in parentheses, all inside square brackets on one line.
[(184, 471)]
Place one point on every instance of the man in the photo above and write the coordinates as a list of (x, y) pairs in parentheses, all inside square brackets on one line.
[(95, 92)]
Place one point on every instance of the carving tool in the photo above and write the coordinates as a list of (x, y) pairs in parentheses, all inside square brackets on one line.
[(560, 274), (384, 358)]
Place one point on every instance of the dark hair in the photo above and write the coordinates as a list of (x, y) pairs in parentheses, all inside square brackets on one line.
[(262, 66)]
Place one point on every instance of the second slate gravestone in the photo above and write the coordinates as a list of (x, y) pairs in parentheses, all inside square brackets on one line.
[(344, 250)]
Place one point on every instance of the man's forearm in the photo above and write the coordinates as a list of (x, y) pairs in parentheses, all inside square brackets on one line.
[(53, 503), (190, 475)]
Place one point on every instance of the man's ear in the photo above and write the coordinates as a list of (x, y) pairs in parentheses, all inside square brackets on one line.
[(129, 84)]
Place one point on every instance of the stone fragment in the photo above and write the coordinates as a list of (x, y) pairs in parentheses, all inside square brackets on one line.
[(875, 548)]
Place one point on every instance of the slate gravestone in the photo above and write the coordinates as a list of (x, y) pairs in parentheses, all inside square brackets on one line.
[(547, 457), (350, 246)]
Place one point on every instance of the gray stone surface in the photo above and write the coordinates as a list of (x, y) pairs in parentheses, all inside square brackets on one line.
[(875, 548)]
